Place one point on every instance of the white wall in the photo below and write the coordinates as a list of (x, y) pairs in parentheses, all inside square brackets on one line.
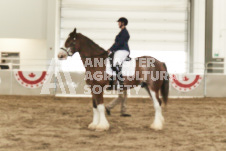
[(53, 22), (23, 19), (219, 30), (29, 27), (32, 52), (35, 22), (199, 36)]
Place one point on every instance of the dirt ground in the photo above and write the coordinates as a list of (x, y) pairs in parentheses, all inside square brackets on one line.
[(60, 124)]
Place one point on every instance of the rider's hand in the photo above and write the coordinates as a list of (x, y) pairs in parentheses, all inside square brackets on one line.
[(109, 51)]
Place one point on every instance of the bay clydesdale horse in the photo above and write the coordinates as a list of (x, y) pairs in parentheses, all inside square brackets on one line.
[(87, 49)]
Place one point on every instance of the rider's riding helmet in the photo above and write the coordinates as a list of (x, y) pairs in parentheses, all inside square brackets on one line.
[(123, 20)]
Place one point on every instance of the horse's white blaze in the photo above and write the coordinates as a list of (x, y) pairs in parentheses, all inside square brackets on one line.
[(103, 123), (95, 119), (159, 119)]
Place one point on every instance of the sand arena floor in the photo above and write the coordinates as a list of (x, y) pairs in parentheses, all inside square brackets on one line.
[(60, 124)]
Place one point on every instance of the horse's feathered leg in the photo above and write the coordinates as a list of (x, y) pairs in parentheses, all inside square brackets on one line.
[(95, 116), (102, 123), (99, 122), (159, 119)]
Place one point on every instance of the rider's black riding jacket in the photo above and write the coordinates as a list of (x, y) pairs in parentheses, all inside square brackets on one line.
[(121, 41)]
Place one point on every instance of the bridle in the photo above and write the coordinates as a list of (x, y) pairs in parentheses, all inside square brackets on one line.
[(69, 53)]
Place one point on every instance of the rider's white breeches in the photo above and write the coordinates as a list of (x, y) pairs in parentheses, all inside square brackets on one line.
[(119, 57)]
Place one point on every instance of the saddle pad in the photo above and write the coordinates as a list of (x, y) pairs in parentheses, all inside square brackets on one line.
[(128, 68)]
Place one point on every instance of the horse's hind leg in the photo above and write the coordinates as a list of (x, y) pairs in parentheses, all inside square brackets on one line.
[(159, 119), (160, 102)]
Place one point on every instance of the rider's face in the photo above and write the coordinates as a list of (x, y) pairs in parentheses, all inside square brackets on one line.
[(120, 24)]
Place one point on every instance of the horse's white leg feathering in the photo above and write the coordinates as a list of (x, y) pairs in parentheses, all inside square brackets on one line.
[(95, 119), (103, 123), (159, 119)]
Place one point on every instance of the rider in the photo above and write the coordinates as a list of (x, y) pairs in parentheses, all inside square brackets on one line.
[(120, 48)]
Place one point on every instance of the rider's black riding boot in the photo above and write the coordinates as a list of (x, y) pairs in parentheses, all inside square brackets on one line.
[(119, 75), (119, 78)]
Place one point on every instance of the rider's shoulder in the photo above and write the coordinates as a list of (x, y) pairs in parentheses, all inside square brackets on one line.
[(125, 31)]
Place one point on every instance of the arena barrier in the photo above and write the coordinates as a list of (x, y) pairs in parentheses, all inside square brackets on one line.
[(215, 85), (23, 82), (32, 83), (180, 86)]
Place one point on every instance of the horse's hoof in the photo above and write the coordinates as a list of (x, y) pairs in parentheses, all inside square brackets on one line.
[(102, 127), (156, 126), (92, 126)]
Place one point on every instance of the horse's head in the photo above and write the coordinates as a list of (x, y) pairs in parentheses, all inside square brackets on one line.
[(70, 46)]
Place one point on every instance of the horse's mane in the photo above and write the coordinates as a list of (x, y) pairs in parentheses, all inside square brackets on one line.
[(91, 42)]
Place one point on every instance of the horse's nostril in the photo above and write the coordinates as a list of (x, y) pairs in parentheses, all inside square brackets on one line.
[(60, 56)]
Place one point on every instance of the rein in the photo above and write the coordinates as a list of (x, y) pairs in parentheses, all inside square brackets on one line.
[(69, 54), (93, 56)]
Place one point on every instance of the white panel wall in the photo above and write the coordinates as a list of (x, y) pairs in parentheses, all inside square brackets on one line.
[(153, 25), (23, 19), (219, 28)]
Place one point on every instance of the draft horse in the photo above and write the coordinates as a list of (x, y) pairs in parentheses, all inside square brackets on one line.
[(77, 42)]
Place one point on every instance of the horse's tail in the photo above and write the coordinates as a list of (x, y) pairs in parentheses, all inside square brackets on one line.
[(165, 86)]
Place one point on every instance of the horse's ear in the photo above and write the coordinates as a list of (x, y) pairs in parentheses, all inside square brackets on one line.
[(74, 31)]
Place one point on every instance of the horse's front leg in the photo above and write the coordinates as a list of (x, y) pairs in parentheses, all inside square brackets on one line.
[(96, 116), (99, 113)]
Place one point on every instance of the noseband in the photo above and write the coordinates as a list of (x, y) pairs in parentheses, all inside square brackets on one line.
[(69, 53)]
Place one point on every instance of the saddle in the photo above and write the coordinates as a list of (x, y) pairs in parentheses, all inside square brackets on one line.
[(112, 81)]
